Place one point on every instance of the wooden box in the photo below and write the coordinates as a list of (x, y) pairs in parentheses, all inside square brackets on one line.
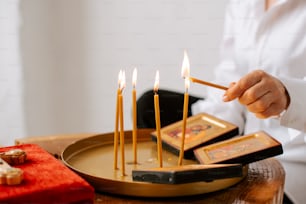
[(188, 173)]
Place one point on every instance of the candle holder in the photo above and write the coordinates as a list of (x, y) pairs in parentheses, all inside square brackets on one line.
[(201, 129)]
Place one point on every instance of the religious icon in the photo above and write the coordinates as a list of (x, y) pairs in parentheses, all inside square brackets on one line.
[(200, 129), (191, 131), (244, 149)]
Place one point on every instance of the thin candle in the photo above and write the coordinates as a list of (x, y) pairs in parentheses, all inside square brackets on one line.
[(134, 79), (121, 122), (185, 114), (207, 83), (185, 71), (117, 123), (157, 119)]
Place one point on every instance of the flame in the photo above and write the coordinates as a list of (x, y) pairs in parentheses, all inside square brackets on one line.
[(156, 83), (119, 77), (185, 66), (134, 79), (122, 81)]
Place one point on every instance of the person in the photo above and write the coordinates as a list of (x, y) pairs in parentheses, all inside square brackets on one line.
[(263, 62)]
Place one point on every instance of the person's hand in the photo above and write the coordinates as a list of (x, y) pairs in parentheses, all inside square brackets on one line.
[(261, 93)]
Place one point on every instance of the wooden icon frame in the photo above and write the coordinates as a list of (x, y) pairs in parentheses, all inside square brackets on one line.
[(243, 149), (201, 129)]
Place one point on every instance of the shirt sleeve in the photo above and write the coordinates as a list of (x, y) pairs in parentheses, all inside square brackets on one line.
[(225, 72), (295, 115)]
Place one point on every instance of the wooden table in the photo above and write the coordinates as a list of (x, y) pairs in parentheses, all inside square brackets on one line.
[(263, 184)]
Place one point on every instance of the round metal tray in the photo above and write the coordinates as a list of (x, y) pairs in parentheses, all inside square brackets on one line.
[(92, 159)]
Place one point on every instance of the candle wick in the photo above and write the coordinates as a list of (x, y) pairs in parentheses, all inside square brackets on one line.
[(121, 90)]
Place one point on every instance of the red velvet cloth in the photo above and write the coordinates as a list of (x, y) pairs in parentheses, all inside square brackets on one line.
[(46, 180)]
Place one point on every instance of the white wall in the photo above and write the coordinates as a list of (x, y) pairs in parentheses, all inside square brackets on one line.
[(72, 51), (11, 98)]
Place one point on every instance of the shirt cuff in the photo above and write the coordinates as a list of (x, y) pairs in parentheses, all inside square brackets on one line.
[(294, 116)]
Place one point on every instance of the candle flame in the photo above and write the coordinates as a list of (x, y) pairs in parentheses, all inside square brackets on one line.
[(185, 66), (119, 77), (134, 79), (156, 84), (122, 81)]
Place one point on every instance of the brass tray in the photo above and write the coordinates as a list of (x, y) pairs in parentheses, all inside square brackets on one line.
[(92, 159)]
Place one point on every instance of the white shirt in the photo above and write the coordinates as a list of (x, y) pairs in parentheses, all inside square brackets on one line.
[(273, 41)]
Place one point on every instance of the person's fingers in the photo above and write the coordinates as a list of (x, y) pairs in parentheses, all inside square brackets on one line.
[(225, 96), (273, 110), (254, 93), (261, 93), (262, 104), (246, 82)]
